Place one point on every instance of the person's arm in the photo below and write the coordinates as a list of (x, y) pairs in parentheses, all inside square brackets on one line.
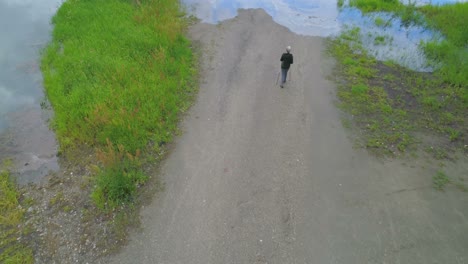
[(292, 59), (282, 58)]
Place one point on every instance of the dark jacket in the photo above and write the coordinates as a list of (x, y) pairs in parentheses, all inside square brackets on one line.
[(287, 59)]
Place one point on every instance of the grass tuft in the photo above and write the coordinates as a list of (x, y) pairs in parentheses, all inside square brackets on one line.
[(119, 179), (380, 22), (440, 180), (12, 248)]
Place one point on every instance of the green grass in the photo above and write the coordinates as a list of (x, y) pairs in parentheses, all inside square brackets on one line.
[(386, 127), (118, 180), (452, 52), (340, 3), (376, 5), (390, 105), (380, 40), (437, 153), (435, 104), (450, 20), (379, 22), (12, 249), (409, 14), (119, 72), (440, 180)]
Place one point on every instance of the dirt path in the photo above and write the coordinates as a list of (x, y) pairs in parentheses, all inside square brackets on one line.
[(268, 175)]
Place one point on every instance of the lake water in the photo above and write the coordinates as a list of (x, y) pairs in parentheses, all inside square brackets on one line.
[(24, 134)]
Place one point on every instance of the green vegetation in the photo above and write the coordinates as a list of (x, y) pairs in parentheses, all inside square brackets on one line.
[(118, 75), (382, 40), (12, 229), (437, 153), (379, 22), (440, 180), (117, 182), (450, 20), (452, 52), (409, 13), (391, 105), (376, 5), (362, 94), (340, 3)]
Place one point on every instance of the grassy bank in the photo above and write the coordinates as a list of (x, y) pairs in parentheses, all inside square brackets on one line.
[(451, 21), (377, 5), (13, 249), (396, 109), (118, 74), (408, 13), (450, 54), (363, 94)]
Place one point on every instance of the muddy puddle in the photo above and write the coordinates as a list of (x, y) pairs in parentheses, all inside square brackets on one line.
[(324, 18), (25, 137)]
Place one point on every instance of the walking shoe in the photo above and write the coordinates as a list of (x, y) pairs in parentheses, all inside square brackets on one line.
[(281, 86)]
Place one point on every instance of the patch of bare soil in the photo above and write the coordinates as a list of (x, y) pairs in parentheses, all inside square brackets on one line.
[(65, 225), (407, 90)]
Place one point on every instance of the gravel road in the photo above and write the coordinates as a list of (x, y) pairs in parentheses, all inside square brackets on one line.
[(268, 175)]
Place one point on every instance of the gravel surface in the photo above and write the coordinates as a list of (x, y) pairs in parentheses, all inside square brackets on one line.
[(268, 175)]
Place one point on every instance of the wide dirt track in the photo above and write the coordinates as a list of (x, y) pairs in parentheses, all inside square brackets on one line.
[(269, 175)]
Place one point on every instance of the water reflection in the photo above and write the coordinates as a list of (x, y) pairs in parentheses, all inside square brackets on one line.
[(392, 41), (309, 17), (318, 18), (322, 18), (24, 135)]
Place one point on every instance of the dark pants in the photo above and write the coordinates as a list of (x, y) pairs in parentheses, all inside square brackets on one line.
[(284, 74)]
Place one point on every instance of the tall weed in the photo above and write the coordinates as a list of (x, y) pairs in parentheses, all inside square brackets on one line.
[(119, 178)]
